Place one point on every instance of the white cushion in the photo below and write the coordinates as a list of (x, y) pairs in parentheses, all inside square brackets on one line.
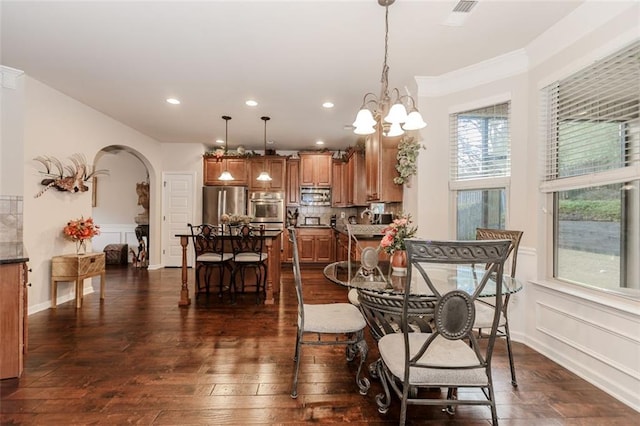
[(484, 316), (441, 352), (332, 318), (214, 257), (250, 257)]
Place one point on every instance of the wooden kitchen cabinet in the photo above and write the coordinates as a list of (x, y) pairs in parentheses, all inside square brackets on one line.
[(315, 245), (13, 319), (315, 169), (357, 186), (380, 165), (293, 182), (341, 184), (275, 165), (213, 167)]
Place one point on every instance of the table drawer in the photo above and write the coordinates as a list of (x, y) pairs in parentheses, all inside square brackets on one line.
[(77, 265)]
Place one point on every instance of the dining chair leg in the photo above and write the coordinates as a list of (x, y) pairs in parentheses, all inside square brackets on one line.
[(362, 349), (514, 382), (296, 359)]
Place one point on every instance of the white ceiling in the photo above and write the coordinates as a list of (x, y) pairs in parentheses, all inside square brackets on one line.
[(125, 58)]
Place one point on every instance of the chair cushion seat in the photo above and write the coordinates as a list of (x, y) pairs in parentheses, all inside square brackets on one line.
[(484, 316), (250, 257), (441, 352), (214, 257), (332, 318)]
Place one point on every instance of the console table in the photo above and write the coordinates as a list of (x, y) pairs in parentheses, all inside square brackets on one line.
[(76, 268)]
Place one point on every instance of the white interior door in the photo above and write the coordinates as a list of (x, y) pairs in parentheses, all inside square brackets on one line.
[(177, 211)]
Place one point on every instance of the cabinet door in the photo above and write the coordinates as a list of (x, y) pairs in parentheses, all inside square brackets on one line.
[(213, 167), (340, 186), (307, 170), (306, 247), (323, 169), (11, 320), (324, 248), (358, 185), (293, 182), (277, 171)]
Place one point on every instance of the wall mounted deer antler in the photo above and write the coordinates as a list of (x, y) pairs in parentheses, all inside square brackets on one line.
[(77, 173)]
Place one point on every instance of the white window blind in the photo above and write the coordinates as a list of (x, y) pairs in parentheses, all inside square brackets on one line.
[(481, 143), (592, 122)]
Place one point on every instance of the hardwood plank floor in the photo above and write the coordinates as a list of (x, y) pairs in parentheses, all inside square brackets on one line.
[(140, 359)]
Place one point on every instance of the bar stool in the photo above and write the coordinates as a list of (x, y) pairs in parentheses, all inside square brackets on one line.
[(247, 243)]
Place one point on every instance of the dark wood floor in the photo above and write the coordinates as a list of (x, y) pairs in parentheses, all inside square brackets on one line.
[(140, 359)]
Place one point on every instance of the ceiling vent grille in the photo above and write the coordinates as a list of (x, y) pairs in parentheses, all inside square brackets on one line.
[(464, 6)]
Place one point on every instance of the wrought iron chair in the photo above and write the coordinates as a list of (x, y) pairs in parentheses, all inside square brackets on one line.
[(247, 243), (209, 250), (327, 324), (484, 308), (450, 356)]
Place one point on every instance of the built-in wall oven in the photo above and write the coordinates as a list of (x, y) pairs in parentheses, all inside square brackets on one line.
[(267, 208)]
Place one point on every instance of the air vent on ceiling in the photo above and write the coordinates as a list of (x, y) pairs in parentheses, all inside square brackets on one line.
[(464, 6)]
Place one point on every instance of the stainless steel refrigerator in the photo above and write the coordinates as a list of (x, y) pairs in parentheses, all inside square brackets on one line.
[(217, 200)]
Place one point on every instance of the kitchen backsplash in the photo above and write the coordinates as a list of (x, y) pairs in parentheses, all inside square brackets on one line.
[(10, 219), (325, 213)]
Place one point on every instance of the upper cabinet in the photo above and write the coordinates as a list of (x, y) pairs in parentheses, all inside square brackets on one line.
[(275, 165), (357, 186), (293, 182), (380, 164), (315, 168), (341, 184), (213, 167)]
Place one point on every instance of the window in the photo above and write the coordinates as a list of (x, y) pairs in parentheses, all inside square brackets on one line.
[(480, 167), (592, 172)]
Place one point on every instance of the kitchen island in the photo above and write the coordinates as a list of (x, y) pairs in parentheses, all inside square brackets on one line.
[(272, 245)]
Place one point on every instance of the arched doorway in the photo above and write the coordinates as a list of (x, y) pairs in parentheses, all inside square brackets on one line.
[(121, 202)]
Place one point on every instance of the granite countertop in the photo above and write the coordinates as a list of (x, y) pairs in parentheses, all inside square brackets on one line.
[(363, 231), (13, 253)]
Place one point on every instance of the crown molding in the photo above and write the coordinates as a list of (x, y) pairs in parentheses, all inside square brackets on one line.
[(9, 76), (498, 68)]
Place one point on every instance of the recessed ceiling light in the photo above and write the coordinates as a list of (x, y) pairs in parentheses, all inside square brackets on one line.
[(173, 101), (327, 105), (251, 102), (219, 141), (319, 142), (270, 142)]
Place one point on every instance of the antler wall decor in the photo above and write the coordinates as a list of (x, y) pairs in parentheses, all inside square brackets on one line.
[(70, 177)]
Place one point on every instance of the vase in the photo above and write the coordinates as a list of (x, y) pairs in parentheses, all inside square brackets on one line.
[(399, 262), (81, 247)]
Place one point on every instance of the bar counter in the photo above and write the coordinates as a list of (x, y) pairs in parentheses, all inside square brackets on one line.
[(272, 244)]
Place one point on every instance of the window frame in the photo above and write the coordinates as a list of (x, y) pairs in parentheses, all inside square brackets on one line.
[(502, 182)]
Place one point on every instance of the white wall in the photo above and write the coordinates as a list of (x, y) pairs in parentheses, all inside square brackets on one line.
[(591, 332), (11, 111), (59, 126)]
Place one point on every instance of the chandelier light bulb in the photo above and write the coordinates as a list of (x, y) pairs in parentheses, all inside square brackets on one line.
[(414, 121), (395, 130), (397, 114)]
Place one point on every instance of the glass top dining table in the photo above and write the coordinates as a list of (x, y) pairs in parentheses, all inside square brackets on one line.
[(445, 277)]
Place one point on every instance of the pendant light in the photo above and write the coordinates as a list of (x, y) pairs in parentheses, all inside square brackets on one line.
[(225, 175), (264, 175)]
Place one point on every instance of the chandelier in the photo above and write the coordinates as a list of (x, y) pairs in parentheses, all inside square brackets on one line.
[(264, 175), (225, 175), (389, 107)]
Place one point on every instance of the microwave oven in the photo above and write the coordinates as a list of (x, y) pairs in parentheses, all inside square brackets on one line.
[(315, 196)]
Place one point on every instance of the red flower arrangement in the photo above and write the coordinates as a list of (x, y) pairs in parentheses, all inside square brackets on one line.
[(81, 229)]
